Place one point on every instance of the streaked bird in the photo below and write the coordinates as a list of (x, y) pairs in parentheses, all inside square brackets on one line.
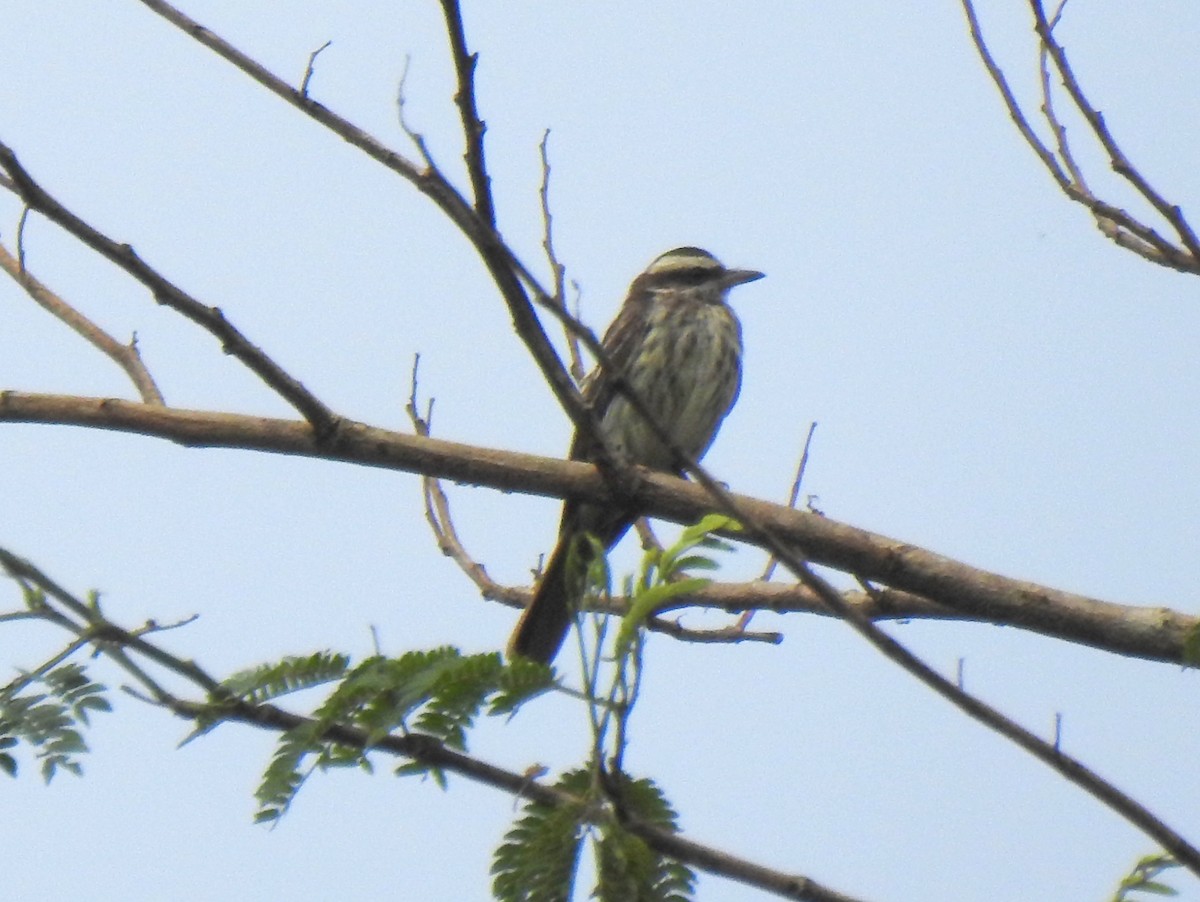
[(678, 346)]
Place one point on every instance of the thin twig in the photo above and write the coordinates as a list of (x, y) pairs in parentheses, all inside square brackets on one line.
[(415, 136), (557, 269), (32, 676), (1048, 112), (165, 292), (21, 223), (437, 505), (473, 127), (308, 70), (793, 493), (734, 634), (1010, 101), (125, 356), (1120, 163), (645, 533)]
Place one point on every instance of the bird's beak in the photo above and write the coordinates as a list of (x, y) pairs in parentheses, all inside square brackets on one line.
[(741, 276)]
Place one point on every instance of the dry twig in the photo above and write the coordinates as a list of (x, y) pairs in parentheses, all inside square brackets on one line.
[(1115, 223), (125, 356), (165, 292)]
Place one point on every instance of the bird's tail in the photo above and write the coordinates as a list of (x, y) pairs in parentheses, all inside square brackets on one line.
[(541, 630)]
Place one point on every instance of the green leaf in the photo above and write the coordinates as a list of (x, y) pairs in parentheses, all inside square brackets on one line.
[(1159, 889), (647, 601), (283, 777), (695, 562), (711, 523), (1142, 879), (438, 693), (626, 867), (519, 682), (49, 722), (540, 854), (420, 769), (292, 674)]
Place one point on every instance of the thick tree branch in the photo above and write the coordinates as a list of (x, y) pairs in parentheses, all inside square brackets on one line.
[(1156, 634)]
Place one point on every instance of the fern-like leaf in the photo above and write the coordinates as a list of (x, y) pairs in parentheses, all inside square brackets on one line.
[(520, 681), (438, 692), (50, 721), (540, 854), (292, 674), (629, 868)]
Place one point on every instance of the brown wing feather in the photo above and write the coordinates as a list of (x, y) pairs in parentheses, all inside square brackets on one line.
[(621, 343)]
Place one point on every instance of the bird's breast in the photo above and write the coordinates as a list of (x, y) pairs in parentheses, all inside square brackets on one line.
[(687, 368)]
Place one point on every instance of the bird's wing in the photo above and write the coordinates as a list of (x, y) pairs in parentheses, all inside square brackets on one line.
[(621, 344)]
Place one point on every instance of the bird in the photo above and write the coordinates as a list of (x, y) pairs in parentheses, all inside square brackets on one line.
[(677, 345)]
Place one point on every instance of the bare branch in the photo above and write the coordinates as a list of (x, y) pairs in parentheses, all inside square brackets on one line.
[(125, 356), (1120, 163), (508, 274), (308, 70), (1157, 634), (1010, 101), (167, 293), (473, 127), (415, 136), (21, 223), (506, 270), (1115, 223), (733, 634), (794, 493), (556, 266), (1060, 130), (437, 505)]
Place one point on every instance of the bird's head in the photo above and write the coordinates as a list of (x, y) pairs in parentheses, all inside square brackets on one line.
[(692, 267)]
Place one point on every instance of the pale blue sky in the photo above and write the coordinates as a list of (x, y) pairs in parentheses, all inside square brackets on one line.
[(992, 380)]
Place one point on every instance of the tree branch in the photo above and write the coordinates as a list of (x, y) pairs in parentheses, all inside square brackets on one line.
[(771, 533), (473, 127), (1095, 120), (1157, 634), (506, 270), (1115, 223), (165, 292), (118, 643), (125, 356)]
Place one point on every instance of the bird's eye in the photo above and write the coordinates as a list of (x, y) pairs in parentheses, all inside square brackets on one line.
[(695, 275)]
